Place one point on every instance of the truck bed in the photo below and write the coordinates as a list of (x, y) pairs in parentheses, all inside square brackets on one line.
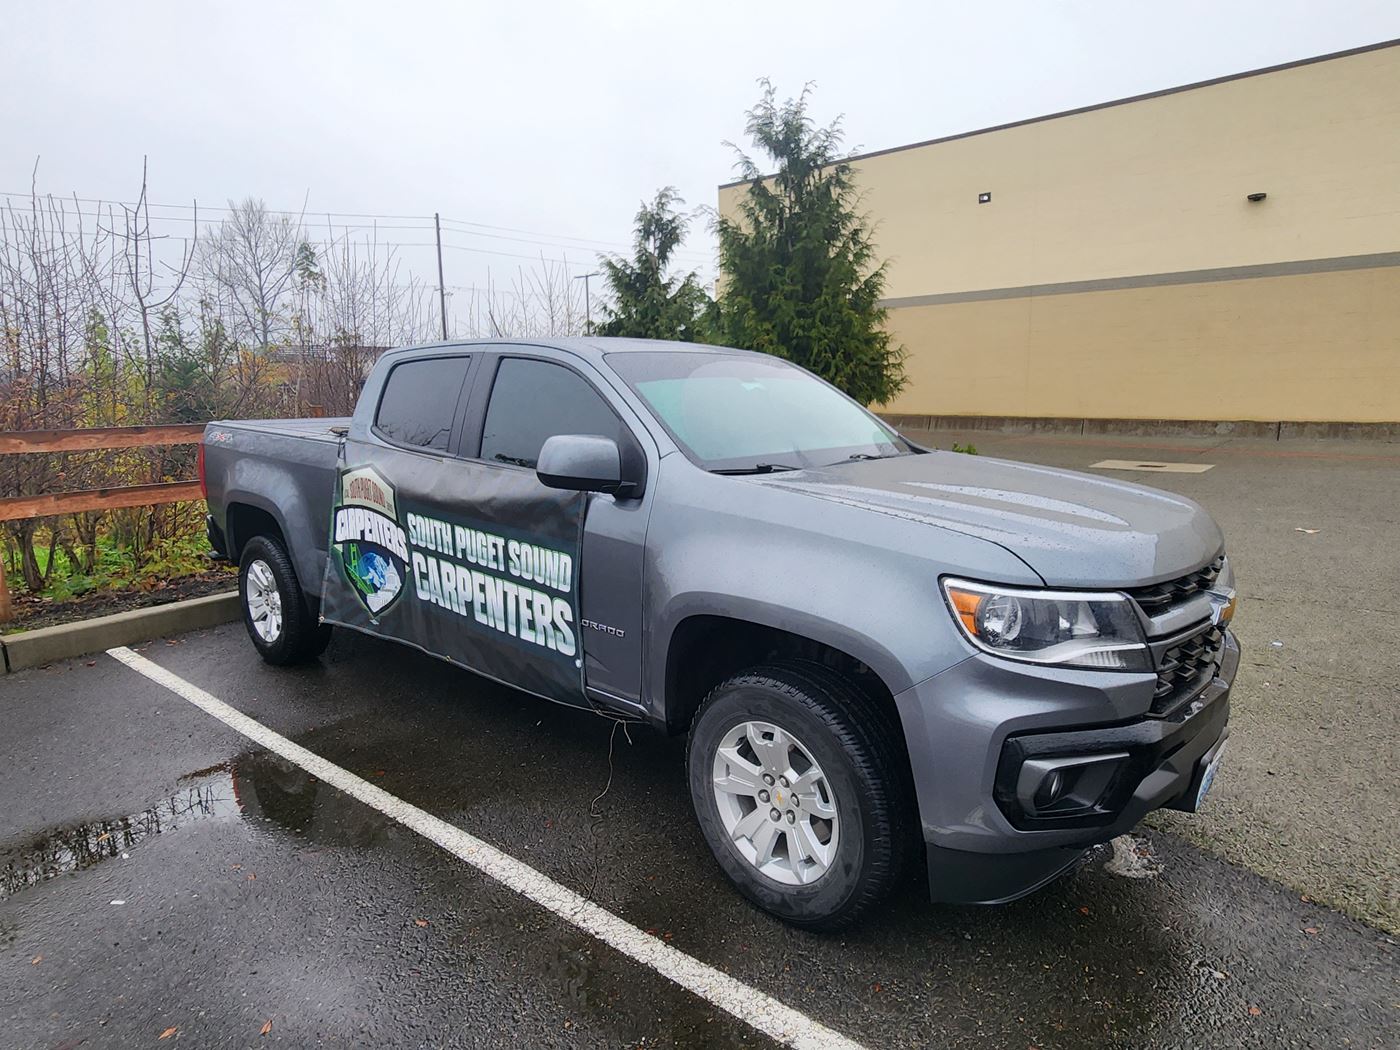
[(314, 429), (286, 466)]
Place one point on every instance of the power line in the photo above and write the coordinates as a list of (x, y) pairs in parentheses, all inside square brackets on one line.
[(611, 245), (213, 207), (311, 218)]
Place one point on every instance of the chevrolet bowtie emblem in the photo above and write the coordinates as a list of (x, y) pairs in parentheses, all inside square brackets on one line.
[(779, 796)]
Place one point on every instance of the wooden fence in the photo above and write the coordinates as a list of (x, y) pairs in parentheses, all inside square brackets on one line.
[(18, 508)]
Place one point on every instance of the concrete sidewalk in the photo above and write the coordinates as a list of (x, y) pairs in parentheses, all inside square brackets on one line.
[(1310, 788)]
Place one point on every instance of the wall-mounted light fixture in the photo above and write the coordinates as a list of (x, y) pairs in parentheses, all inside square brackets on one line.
[(1255, 198), (984, 198)]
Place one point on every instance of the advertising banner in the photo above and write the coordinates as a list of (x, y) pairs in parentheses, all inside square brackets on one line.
[(467, 561)]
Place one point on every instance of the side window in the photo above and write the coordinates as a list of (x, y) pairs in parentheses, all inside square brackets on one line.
[(534, 400), (419, 402)]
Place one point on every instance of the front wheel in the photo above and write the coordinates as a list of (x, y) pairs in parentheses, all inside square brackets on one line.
[(797, 784), (275, 610)]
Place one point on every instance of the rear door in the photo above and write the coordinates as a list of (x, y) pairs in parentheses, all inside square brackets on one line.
[(444, 538)]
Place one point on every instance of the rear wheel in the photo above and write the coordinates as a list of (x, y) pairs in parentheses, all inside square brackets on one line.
[(797, 784), (275, 610)]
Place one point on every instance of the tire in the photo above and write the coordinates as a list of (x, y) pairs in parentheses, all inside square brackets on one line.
[(856, 753), (275, 610)]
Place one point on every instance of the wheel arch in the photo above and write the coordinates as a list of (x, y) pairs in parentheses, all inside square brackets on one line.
[(706, 648), (246, 517), (247, 514)]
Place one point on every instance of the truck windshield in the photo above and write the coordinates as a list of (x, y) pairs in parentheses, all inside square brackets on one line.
[(750, 414)]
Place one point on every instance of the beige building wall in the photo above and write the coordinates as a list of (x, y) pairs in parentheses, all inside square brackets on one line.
[(1322, 347), (1120, 272)]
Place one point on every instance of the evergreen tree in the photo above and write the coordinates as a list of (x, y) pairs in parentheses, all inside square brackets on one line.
[(799, 275), (643, 301)]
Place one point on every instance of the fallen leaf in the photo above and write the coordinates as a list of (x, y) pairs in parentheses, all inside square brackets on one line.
[(251, 876), (92, 663), (1310, 929), (266, 1028), (1084, 910), (36, 960), (1219, 975), (169, 1032), (104, 836), (1254, 1011), (379, 772), (420, 922)]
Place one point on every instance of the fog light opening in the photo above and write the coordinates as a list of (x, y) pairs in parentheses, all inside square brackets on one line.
[(1066, 786), (1052, 789)]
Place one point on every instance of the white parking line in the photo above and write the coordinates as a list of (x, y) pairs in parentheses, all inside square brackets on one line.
[(754, 1008)]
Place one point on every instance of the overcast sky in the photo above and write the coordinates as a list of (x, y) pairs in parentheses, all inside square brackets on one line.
[(558, 118)]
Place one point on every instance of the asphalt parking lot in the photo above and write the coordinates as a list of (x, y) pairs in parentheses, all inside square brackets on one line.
[(164, 875)]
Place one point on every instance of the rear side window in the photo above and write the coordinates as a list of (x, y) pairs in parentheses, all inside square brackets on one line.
[(534, 400), (420, 402)]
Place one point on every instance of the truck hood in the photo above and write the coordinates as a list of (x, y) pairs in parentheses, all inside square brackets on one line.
[(1073, 529)]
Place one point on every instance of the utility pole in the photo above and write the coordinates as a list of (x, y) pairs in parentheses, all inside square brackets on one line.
[(442, 292), (587, 301)]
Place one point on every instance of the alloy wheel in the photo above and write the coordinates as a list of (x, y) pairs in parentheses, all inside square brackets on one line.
[(264, 601), (775, 803)]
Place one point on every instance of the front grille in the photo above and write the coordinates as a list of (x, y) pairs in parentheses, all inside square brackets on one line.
[(1186, 668), (1157, 598)]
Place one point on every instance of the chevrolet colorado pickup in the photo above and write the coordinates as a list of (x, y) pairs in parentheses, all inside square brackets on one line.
[(886, 659)]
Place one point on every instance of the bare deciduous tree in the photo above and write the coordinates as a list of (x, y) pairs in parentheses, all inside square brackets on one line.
[(107, 319), (250, 263), (541, 301)]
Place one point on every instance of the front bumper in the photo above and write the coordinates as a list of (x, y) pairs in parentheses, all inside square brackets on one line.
[(972, 728)]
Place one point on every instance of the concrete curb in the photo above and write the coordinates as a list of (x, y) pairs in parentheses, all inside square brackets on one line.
[(47, 644)]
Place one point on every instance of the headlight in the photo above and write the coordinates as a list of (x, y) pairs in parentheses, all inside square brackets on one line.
[(1068, 628)]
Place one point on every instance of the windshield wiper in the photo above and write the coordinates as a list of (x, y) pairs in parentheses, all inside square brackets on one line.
[(867, 455), (757, 468)]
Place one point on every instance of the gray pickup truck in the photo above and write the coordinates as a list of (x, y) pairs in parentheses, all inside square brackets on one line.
[(887, 659)]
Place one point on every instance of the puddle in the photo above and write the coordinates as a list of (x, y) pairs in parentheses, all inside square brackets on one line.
[(257, 787), (272, 790), (80, 846)]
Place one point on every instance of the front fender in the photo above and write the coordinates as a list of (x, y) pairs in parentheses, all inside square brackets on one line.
[(862, 582), (851, 641)]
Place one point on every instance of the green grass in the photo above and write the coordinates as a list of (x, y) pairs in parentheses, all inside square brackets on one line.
[(117, 567)]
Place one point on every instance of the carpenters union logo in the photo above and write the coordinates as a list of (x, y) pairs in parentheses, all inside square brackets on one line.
[(368, 541)]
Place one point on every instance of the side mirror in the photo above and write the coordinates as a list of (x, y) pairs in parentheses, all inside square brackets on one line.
[(581, 462)]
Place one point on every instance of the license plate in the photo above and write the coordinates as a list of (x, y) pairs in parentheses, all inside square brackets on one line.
[(1208, 778)]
